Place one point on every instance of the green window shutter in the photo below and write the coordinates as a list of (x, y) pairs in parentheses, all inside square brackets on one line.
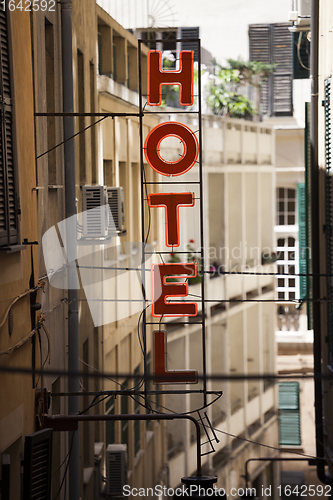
[(302, 240), (307, 157), (329, 217), (289, 414)]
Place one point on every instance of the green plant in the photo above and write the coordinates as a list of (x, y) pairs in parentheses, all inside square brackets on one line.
[(224, 98)]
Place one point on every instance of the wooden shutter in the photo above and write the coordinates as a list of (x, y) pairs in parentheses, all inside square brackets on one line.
[(8, 200), (272, 43), (37, 466), (260, 50), (282, 79), (289, 414), (190, 33)]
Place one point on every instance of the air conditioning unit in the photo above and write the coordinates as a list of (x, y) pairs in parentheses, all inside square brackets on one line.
[(300, 16), (116, 204), (116, 469), (95, 211)]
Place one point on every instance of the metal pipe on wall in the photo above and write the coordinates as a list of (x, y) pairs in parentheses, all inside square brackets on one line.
[(66, 422)]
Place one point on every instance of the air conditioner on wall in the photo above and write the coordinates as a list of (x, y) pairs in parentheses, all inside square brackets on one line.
[(116, 469), (116, 204), (95, 213), (300, 15)]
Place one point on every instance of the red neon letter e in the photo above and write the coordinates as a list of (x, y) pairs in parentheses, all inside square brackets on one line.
[(158, 77), (163, 376), (171, 202), (189, 156), (163, 289)]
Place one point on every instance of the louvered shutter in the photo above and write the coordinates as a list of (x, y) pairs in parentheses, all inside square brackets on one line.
[(37, 466), (260, 50), (272, 43), (307, 159), (289, 414), (282, 76), (303, 251), (8, 201), (190, 33), (329, 216)]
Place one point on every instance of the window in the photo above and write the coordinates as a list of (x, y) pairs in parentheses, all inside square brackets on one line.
[(110, 434), (287, 285), (8, 196), (137, 423), (286, 206), (124, 411), (289, 414)]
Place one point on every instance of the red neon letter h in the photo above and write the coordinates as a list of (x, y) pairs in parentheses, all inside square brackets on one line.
[(158, 77)]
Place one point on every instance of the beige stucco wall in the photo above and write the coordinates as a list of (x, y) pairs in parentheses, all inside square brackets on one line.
[(17, 396)]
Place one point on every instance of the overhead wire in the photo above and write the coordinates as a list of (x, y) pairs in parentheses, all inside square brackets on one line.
[(40, 285), (69, 138), (66, 469)]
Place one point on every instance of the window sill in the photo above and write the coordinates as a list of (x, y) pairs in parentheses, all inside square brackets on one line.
[(12, 248)]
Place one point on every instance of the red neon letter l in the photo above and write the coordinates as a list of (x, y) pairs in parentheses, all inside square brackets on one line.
[(163, 376)]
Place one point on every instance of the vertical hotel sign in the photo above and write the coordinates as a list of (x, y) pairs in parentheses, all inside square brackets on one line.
[(172, 203)]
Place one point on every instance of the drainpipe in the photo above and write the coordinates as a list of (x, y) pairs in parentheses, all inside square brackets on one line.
[(70, 210), (315, 245)]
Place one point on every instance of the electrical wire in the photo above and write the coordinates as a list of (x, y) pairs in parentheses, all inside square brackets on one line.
[(69, 138), (19, 344), (66, 469), (282, 450), (214, 377), (138, 329), (40, 285), (299, 42)]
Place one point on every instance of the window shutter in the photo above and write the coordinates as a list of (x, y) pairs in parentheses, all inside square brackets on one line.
[(190, 33), (8, 201), (37, 465), (302, 240), (307, 158), (272, 43), (260, 50), (282, 76), (289, 414), (329, 217)]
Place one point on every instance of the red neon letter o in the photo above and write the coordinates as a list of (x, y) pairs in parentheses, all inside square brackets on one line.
[(187, 160)]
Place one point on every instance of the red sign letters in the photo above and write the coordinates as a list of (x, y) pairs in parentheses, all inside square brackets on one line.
[(162, 288)]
